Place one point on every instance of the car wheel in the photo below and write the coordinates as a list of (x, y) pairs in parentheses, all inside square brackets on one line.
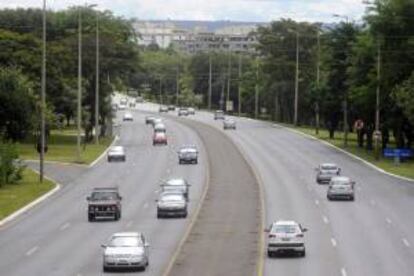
[(180, 162), (109, 159), (185, 215), (158, 215), (269, 254), (303, 253), (352, 198), (116, 216), (105, 269), (91, 217), (329, 198), (124, 159)]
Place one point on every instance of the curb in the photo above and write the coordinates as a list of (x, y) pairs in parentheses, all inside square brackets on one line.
[(56, 162), (93, 163), (32, 204), (369, 164)]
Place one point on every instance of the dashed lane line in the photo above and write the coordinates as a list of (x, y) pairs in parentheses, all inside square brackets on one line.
[(32, 251)]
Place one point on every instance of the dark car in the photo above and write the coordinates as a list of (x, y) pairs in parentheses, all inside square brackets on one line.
[(104, 203), (171, 108)]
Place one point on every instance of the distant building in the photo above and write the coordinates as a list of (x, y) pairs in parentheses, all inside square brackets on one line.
[(193, 36)]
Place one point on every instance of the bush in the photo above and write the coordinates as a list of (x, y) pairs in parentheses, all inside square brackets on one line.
[(11, 167)]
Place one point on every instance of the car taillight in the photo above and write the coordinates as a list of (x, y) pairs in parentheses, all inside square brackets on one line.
[(272, 236), (299, 236)]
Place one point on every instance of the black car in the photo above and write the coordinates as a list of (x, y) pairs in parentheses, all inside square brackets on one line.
[(104, 203)]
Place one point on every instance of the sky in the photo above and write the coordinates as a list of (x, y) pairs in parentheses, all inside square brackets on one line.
[(234, 10)]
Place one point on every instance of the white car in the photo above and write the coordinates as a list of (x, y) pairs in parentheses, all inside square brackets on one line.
[(229, 124), (160, 128), (127, 117), (126, 250), (286, 236), (156, 121), (191, 111), (116, 153), (122, 106)]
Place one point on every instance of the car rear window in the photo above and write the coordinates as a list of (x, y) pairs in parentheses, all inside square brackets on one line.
[(288, 229), (104, 196)]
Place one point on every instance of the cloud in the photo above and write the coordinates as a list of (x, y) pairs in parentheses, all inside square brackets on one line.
[(240, 10)]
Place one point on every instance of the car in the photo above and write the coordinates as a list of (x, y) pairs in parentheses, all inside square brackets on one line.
[(122, 106), (132, 103), (159, 138), (286, 236), (183, 112), (229, 124), (149, 120), (123, 101), (139, 99), (341, 187), (188, 155), (191, 111), (177, 185), (156, 121), (160, 128), (219, 115), (126, 250), (326, 171), (171, 204), (114, 107), (127, 117), (171, 108), (116, 153), (163, 109), (104, 203)]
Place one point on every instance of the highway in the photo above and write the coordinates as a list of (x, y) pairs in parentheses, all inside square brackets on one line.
[(371, 236), (55, 237)]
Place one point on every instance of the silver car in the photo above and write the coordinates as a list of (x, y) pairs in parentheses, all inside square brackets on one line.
[(229, 124), (286, 236), (188, 155), (160, 128), (183, 112), (326, 171), (116, 153), (177, 185), (219, 115), (163, 109), (156, 121), (341, 187), (127, 117), (171, 204), (191, 111), (126, 250)]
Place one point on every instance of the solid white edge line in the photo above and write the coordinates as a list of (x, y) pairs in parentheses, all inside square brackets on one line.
[(369, 164), (31, 251), (343, 272), (406, 242), (325, 219), (116, 138), (333, 241), (33, 203)]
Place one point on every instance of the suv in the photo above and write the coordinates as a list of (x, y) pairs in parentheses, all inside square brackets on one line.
[(104, 203), (286, 236)]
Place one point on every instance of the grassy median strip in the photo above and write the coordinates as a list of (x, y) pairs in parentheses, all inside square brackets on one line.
[(16, 196), (62, 148), (405, 169)]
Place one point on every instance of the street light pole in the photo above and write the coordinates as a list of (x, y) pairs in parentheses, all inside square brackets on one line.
[(318, 84), (79, 111), (209, 81), (228, 80), (295, 117), (43, 98), (377, 105), (256, 94), (239, 88), (97, 132)]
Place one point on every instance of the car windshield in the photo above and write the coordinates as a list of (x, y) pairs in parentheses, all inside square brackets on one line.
[(125, 242), (117, 149), (287, 229), (329, 167), (341, 182), (175, 182), (188, 150), (172, 197), (104, 195)]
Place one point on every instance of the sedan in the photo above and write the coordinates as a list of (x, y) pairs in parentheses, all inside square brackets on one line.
[(149, 119), (156, 121), (159, 138), (160, 128), (177, 185), (116, 153), (219, 115), (286, 237), (128, 117), (183, 112), (163, 109), (229, 124), (188, 155), (171, 107), (191, 111), (126, 250), (326, 171), (171, 204), (341, 187)]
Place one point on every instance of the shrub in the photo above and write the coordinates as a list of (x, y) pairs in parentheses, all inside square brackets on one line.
[(11, 167)]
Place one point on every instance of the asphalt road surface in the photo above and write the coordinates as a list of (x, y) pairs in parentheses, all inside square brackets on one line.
[(371, 236), (55, 237)]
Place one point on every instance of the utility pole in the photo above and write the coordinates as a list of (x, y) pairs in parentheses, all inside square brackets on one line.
[(97, 130), (43, 98), (346, 119), (209, 81), (239, 88), (79, 113), (160, 90), (256, 94), (318, 84), (177, 86), (228, 79), (377, 104), (295, 117)]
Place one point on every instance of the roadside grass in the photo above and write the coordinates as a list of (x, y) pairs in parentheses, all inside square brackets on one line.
[(16, 196), (405, 168), (62, 148)]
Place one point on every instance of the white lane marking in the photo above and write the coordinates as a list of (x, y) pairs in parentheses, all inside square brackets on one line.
[(333, 241), (32, 250), (317, 202), (343, 272), (388, 220), (325, 219), (146, 205), (406, 242), (64, 226), (373, 202)]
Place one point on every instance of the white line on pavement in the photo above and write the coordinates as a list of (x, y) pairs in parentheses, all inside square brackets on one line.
[(343, 272), (32, 250), (317, 202), (388, 220), (333, 241), (325, 219), (406, 242), (373, 202), (64, 226)]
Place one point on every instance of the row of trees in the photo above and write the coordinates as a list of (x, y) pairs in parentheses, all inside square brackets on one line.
[(20, 66)]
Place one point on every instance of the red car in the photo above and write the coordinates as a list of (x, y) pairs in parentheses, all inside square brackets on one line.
[(159, 138)]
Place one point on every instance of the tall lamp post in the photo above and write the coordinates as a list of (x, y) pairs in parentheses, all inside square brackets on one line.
[(296, 101), (345, 102), (43, 96), (97, 130)]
